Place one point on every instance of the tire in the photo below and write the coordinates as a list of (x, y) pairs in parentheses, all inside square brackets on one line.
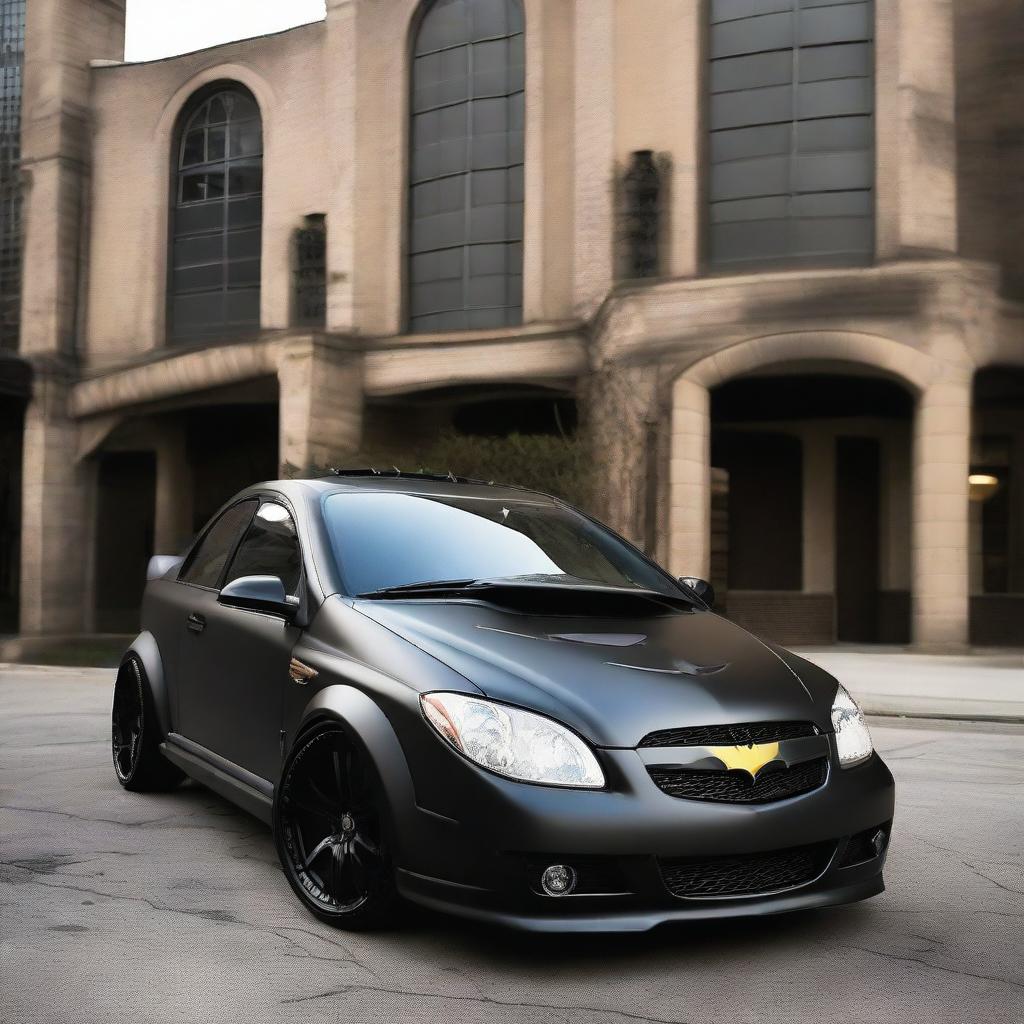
[(331, 834), (135, 735)]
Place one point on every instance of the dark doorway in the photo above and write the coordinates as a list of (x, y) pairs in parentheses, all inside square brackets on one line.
[(11, 431), (858, 488), (124, 537), (765, 509)]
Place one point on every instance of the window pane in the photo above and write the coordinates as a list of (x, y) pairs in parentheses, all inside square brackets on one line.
[(791, 104), (216, 279), (215, 144), (192, 152), (468, 113), (269, 548), (207, 559)]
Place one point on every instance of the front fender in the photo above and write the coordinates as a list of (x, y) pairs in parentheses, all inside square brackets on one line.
[(369, 728), (144, 647)]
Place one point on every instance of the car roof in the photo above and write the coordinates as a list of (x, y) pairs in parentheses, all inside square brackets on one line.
[(355, 481)]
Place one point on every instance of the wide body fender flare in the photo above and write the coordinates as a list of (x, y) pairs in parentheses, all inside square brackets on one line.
[(144, 647), (368, 726)]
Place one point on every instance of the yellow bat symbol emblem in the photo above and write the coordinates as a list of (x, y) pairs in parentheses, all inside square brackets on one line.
[(750, 758)]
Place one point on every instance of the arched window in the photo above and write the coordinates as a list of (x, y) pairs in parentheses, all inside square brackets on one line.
[(217, 216), (466, 166), (792, 132)]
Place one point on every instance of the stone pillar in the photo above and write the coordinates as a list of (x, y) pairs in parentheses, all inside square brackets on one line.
[(940, 528), (61, 37), (594, 139), (621, 429), (916, 158), (321, 405), (819, 508), (173, 525), (690, 481), (56, 535)]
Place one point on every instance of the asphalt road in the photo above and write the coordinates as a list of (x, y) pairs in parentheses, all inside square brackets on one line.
[(121, 907)]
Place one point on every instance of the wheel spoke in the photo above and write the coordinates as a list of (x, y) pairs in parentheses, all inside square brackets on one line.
[(311, 809), (324, 843), (364, 843)]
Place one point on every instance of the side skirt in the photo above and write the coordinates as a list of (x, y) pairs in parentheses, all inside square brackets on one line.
[(241, 787)]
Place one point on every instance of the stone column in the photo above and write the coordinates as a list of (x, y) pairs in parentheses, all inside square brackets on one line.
[(916, 109), (56, 533), (173, 525), (321, 405), (940, 528), (819, 508), (594, 139), (690, 481)]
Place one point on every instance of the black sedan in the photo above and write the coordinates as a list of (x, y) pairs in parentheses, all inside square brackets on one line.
[(476, 698)]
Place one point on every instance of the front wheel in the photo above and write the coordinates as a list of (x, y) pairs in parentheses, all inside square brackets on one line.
[(328, 829)]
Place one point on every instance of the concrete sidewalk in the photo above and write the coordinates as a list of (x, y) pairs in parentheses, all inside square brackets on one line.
[(985, 686)]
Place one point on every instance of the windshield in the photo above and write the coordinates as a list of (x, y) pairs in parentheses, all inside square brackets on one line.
[(384, 540)]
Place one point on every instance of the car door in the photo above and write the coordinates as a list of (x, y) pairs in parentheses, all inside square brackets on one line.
[(238, 658)]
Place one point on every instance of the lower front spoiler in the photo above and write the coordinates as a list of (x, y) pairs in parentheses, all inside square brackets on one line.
[(633, 913)]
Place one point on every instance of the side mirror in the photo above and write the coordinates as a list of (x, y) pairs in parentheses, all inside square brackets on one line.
[(160, 565), (701, 588), (259, 594)]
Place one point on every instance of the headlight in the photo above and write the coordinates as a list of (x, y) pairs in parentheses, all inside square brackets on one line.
[(512, 742), (853, 741)]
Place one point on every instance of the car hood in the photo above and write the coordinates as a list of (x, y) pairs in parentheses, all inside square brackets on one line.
[(614, 679)]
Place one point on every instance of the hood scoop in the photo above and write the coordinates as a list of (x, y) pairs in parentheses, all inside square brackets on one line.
[(601, 639)]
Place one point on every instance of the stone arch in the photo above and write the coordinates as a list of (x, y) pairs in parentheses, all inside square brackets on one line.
[(690, 444), (911, 367)]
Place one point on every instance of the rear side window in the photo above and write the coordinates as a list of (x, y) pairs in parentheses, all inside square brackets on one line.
[(269, 548), (208, 558)]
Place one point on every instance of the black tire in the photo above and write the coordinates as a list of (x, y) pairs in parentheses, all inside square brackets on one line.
[(135, 735), (331, 834)]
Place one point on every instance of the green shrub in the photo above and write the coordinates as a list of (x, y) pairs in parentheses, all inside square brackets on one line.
[(541, 462)]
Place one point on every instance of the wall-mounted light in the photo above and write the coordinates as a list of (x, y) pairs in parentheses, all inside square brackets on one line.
[(982, 486)]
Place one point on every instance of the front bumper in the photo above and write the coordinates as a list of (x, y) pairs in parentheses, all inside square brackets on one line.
[(476, 842)]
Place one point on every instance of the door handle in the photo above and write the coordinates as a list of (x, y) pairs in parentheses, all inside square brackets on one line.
[(196, 623)]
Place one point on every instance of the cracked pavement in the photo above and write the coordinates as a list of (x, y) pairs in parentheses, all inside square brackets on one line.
[(117, 906)]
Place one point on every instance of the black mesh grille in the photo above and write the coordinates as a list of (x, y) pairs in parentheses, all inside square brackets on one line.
[(772, 783), (728, 735), (745, 876)]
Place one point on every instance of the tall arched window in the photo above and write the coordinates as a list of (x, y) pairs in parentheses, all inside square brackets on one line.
[(792, 132), (217, 216), (466, 166)]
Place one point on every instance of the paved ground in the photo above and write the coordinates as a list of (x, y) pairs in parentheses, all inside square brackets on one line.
[(118, 907)]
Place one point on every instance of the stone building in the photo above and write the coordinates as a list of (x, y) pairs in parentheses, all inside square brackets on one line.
[(769, 248)]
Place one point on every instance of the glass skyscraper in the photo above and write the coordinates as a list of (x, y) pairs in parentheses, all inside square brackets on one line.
[(12, 45)]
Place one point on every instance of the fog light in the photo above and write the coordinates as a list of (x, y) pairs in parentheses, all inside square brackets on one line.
[(558, 880), (878, 842)]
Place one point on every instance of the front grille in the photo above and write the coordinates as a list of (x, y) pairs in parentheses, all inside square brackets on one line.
[(772, 783), (728, 735), (754, 874)]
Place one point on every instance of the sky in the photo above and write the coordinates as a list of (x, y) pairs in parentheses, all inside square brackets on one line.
[(161, 28)]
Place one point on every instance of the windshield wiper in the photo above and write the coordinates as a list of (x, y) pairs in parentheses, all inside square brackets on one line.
[(426, 587)]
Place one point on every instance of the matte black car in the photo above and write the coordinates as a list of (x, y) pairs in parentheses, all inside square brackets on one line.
[(476, 698)]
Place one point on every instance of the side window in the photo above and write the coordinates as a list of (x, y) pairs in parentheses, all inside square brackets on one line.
[(270, 547), (209, 557)]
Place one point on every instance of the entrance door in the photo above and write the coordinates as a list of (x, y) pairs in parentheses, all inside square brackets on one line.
[(858, 513)]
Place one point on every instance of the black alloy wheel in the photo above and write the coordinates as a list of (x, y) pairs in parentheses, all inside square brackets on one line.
[(135, 734), (127, 720), (329, 833)]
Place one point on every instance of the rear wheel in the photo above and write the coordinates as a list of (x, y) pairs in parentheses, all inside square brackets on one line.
[(135, 735), (329, 833)]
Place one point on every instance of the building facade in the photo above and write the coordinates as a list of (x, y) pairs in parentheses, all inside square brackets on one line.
[(769, 249)]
